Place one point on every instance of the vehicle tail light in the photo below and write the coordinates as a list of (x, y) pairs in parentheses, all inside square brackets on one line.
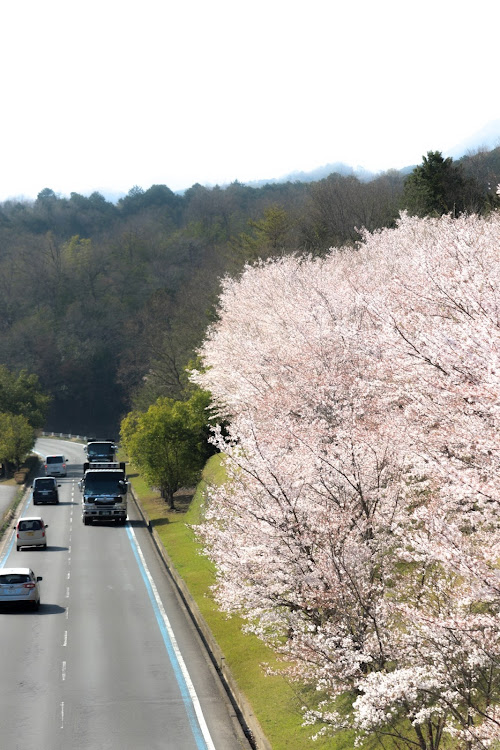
[(28, 585), (43, 532)]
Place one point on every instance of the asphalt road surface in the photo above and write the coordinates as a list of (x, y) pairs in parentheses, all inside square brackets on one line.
[(111, 661)]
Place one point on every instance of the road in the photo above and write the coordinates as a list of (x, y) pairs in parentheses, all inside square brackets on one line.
[(111, 660)]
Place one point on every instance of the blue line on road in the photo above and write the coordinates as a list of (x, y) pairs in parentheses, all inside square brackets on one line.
[(191, 702)]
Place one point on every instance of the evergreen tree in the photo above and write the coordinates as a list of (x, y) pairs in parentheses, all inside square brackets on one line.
[(438, 186)]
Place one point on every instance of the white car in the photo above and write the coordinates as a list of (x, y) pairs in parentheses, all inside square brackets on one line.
[(19, 585), (55, 466), (30, 532)]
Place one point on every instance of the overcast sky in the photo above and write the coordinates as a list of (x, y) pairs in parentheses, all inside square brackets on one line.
[(112, 94)]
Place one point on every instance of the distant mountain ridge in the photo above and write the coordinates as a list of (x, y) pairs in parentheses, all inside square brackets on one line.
[(320, 173), (487, 138)]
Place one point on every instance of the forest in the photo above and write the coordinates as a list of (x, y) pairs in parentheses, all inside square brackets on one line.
[(107, 304)]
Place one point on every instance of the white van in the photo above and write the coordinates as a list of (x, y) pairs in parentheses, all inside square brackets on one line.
[(30, 532), (55, 466)]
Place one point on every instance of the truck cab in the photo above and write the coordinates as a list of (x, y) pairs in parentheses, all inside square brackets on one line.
[(99, 451), (104, 489)]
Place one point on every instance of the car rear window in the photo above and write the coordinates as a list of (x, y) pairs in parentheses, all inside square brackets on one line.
[(30, 525), (44, 484), (55, 459), (14, 578)]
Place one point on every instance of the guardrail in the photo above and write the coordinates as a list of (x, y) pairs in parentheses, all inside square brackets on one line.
[(64, 435)]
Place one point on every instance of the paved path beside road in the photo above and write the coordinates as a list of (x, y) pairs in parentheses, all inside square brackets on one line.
[(7, 495)]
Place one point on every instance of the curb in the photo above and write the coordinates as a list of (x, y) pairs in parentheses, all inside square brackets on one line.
[(251, 727)]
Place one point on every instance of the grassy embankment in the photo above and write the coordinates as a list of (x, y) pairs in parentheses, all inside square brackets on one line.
[(275, 702)]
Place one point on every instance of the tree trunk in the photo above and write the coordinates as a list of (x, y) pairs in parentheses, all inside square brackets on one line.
[(168, 495)]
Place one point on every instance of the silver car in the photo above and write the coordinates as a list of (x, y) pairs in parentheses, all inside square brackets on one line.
[(18, 586)]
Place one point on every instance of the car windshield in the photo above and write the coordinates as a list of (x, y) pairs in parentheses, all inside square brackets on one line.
[(30, 525), (7, 578), (55, 460), (100, 449), (104, 483), (44, 484)]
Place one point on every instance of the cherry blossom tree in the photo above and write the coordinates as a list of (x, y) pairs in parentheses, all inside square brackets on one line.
[(441, 305), (358, 530)]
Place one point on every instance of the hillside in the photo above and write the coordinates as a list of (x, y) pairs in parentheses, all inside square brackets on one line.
[(107, 303)]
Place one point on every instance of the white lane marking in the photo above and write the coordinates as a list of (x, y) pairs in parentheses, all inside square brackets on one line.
[(63, 672), (62, 714), (65, 641), (172, 643), (67, 592)]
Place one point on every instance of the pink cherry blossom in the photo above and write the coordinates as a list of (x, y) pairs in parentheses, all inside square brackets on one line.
[(358, 530)]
